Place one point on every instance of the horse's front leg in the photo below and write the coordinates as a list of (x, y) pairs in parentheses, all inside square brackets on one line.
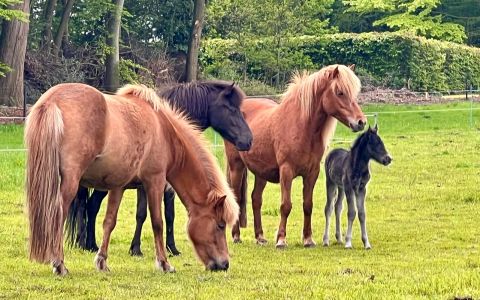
[(169, 201), (140, 217), (350, 195), (362, 215), (114, 198), (93, 206), (257, 200), (155, 188), (308, 185), (286, 177)]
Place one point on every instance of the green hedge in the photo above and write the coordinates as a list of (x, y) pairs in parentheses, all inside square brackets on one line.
[(388, 59)]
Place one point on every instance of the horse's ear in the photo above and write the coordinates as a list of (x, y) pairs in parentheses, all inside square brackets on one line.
[(229, 89), (334, 73), (375, 128), (352, 67)]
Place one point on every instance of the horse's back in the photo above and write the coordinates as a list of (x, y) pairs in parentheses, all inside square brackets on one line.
[(334, 164), (253, 107)]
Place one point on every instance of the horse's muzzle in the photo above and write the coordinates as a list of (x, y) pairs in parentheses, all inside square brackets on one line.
[(218, 266), (243, 145), (387, 160), (359, 126)]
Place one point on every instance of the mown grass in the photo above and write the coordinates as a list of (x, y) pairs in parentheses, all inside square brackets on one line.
[(422, 222)]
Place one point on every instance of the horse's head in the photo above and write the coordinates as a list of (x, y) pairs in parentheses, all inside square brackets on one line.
[(376, 148), (227, 119), (206, 229), (340, 97)]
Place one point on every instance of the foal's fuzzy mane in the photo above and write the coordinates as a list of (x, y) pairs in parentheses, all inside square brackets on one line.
[(304, 86), (193, 140)]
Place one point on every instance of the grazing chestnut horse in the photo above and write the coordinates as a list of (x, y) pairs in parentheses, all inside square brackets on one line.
[(77, 135), (289, 140)]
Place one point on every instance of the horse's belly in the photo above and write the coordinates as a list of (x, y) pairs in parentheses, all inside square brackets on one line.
[(105, 173)]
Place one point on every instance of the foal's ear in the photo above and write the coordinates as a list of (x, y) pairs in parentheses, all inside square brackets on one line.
[(334, 73), (352, 67)]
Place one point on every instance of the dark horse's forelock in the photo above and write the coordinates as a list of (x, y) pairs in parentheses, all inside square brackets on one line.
[(196, 96)]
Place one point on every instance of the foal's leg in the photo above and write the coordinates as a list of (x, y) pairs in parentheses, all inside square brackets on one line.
[(308, 185), (155, 189), (331, 194), (362, 216), (68, 189), (257, 209), (93, 206), (286, 177), (169, 201), (351, 215), (140, 218), (338, 215), (114, 198)]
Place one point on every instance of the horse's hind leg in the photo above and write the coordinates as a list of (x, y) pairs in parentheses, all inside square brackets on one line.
[(114, 198), (362, 216), (257, 209), (331, 193), (236, 179), (140, 217), (338, 215), (68, 189), (308, 185)]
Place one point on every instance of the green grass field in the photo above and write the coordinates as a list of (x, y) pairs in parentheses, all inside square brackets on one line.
[(422, 215)]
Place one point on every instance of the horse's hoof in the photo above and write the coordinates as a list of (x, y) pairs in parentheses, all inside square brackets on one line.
[(237, 240), (326, 243), (92, 248), (60, 270), (164, 266), (281, 244), (309, 243), (261, 241), (173, 250), (368, 247), (348, 246), (101, 263), (135, 251)]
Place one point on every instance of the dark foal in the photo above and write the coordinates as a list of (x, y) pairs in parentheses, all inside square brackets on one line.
[(213, 104), (347, 173)]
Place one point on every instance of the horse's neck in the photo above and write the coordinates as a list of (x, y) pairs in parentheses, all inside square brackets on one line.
[(359, 161), (186, 173)]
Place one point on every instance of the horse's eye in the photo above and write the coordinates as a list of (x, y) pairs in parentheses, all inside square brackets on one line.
[(221, 226), (340, 94)]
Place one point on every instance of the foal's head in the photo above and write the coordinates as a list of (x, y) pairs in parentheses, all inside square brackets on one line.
[(226, 118), (340, 96), (206, 229), (375, 147)]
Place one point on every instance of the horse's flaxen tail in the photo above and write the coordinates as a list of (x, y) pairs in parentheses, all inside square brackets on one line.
[(242, 198), (43, 136)]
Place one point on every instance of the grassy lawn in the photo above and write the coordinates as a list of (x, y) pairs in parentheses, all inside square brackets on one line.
[(422, 223)]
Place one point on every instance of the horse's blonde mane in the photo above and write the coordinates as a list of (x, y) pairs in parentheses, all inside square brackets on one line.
[(192, 139), (143, 92), (304, 86)]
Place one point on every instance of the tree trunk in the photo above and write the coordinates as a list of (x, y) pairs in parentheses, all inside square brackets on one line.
[(48, 19), (112, 70), (63, 26), (13, 45), (194, 42)]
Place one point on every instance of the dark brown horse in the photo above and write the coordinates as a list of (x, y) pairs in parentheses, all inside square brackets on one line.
[(77, 135), (289, 140)]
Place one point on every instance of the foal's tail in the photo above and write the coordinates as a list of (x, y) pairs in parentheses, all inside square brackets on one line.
[(242, 198), (43, 135)]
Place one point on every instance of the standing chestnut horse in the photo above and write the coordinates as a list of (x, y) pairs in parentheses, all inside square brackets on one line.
[(77, 135), (289, 140)]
